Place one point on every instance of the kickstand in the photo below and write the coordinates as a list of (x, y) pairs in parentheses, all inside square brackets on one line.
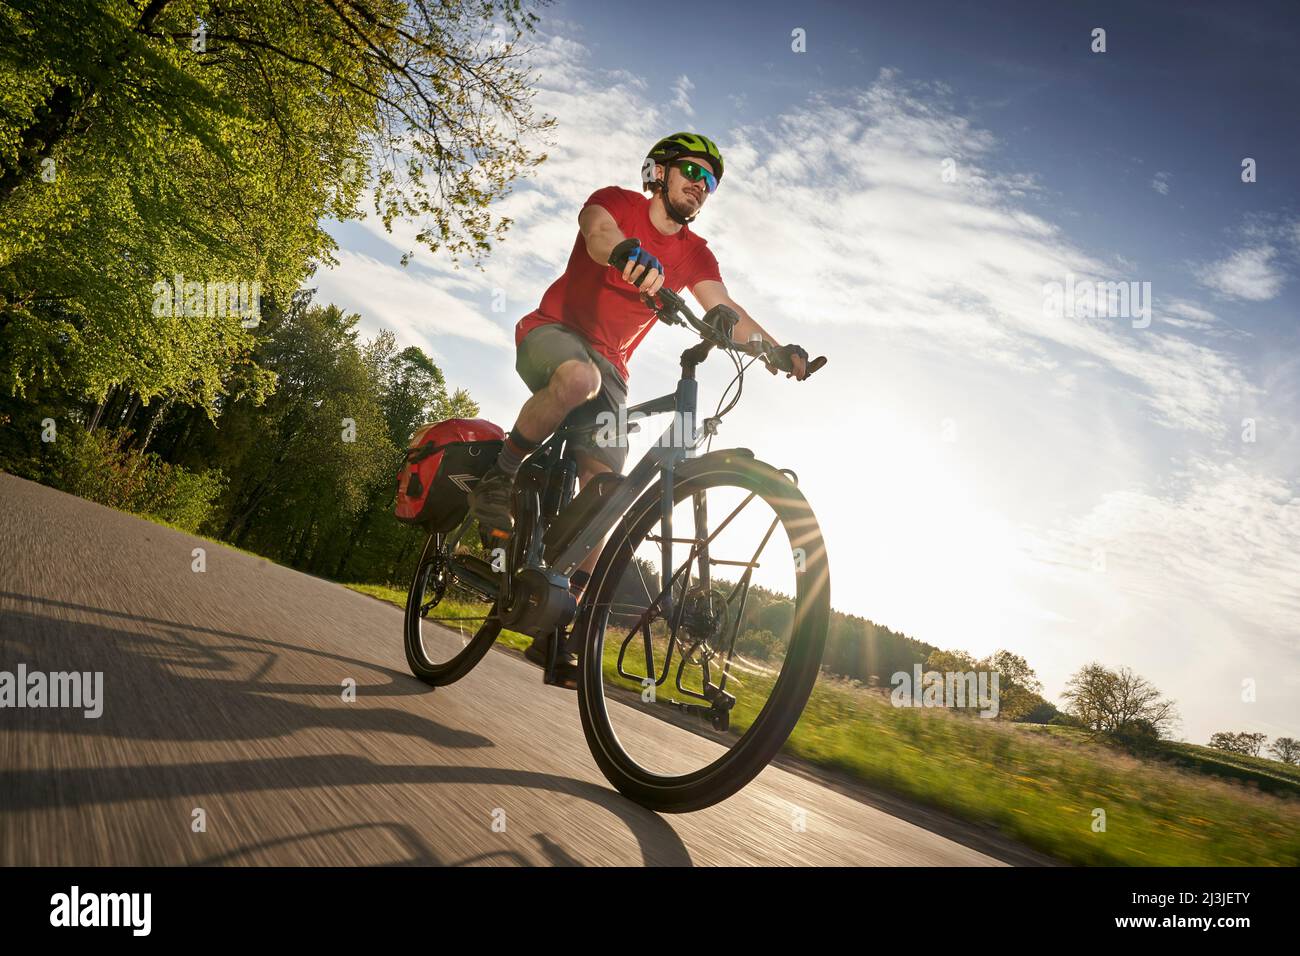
[(555, 655), (552, 656)]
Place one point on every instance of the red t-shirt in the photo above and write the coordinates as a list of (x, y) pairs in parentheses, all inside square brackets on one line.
[(594, 301)]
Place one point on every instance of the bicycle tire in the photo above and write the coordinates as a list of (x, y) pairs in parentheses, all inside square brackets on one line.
[(736, 768), (434, 673)]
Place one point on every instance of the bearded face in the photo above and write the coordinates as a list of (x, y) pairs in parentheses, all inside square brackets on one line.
[(685, 195)]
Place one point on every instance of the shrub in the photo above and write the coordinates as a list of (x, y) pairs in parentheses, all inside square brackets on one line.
[(96, 466), (1138, 734), (1062, 719)]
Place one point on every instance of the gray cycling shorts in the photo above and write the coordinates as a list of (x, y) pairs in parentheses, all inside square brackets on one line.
[(549, 346)]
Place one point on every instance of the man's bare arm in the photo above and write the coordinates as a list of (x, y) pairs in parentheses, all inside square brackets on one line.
[(600, 232), (711, 292)]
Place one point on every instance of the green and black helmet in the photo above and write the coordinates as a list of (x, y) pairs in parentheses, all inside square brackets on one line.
[(679, 146), (675, 147)]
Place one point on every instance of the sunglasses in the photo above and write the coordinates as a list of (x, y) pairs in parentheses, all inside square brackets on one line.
[(697, 173)]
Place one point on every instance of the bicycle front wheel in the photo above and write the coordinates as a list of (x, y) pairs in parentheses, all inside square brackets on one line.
[(695, 669)]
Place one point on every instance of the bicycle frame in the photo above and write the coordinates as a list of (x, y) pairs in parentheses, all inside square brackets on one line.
[(673, 447)]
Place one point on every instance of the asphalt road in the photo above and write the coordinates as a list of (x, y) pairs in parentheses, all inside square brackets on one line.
[(223, 693)]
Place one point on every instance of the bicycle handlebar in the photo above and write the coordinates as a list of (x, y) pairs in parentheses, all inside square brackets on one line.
[(716, 328)]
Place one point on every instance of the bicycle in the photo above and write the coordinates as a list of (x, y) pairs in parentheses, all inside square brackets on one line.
[(733, 674)]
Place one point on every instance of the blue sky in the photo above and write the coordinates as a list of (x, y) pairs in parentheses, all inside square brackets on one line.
[(987, 474)]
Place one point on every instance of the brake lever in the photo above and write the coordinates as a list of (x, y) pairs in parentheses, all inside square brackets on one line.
[(665, 311)]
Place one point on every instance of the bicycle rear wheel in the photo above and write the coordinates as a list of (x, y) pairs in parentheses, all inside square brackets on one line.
[(690, 685), (443, 647)]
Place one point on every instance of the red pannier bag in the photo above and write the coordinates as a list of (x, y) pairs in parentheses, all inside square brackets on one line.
[(443, 460)]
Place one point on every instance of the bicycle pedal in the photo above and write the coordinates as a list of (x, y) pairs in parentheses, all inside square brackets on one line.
[(475, 564), (561, 676)]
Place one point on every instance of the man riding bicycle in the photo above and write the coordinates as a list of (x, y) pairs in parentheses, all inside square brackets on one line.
[(573, 350)]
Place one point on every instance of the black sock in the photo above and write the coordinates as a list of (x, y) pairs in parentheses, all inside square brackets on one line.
[(514, 451)]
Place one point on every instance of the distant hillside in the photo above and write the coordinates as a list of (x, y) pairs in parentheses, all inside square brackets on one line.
[(1271, 776)]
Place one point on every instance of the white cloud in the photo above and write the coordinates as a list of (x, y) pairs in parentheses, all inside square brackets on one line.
[(1161, 183), (1249, 274), (882, 241), (682, 94), (1217, 533), (1190, 312), (418, 308)]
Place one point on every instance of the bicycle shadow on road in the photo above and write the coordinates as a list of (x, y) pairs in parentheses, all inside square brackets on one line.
[(404, 842), (401, 683), (169, 696), (408, 848)]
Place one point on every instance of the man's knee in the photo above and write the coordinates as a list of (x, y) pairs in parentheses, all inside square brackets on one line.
[(574, 382)]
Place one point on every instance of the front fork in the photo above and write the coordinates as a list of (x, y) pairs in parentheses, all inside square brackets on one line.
[(701, 530), (684, 441), (666, 563)]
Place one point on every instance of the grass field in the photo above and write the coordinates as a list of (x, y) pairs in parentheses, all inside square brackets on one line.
[(1051, 788)]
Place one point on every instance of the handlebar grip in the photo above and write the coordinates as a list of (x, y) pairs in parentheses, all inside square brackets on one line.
[(619, 254), (764, 351), (722, 319)]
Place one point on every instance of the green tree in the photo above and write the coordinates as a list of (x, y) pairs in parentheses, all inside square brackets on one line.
[(777, 617), (209, 139), (1245, 743), (1018, 685), (412, 391), (1286, 749), (1116, 703), (316, 446), (1224, 740), (761, 645)]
